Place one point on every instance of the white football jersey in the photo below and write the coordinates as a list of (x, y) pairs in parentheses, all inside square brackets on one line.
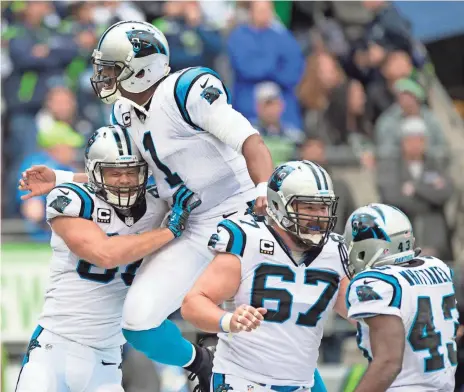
[(83, 302), (422, 294), (285, 348), (175, 146)]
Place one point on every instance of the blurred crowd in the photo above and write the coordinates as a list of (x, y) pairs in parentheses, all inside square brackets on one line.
[(339, 83)]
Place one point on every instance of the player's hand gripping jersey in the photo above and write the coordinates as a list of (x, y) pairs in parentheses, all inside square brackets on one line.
[(297, 296), (83, 302), (186, 139), (422, 294)]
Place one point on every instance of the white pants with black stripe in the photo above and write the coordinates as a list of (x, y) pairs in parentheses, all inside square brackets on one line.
[(56, 364)]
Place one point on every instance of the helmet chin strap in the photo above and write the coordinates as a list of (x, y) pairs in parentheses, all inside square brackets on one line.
[(374, 258), (112, 98)]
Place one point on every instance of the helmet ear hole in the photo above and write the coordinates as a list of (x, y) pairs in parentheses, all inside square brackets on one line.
[(361, 255), (140, 74), (276, 206)]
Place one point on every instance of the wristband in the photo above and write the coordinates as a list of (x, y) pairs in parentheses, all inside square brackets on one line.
[(224, 322), (262, 189), (63, 176)]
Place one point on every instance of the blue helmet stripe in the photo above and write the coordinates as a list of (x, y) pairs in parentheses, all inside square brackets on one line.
[(322, 171), (313, 169)]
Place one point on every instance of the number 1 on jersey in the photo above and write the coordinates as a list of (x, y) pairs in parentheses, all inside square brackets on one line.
[(172, 179)]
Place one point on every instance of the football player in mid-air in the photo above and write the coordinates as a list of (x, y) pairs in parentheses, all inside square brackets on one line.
[(405, 305), (188, 133), (97, 250), (285, 276)]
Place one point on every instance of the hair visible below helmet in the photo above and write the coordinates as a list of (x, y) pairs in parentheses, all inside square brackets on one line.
[(132, 55), (293, 185), (377, 235), (111, 147)]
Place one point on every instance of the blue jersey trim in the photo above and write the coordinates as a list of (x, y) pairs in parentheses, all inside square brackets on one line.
[(183, 86), (397, 290), (237, 240), (87, 205)]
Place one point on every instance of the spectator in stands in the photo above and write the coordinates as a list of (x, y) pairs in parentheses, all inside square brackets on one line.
[(192, 42), (344, 119), (82, 26), (107, 13), (387, 31), (418, 186), (264, 50), (321, 75), (315, 150), (60, 105), (58, 143), (278, 136), (38, 56), (380, 93), (410, 98)]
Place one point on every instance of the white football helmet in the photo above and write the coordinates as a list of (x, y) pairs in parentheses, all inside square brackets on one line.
[(111, 147), (377, 235), (293, 185), (130, 55)]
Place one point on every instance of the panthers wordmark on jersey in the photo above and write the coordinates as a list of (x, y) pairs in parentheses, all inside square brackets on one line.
[(173, 142), (285, 348), (83, 302), (422, 294)]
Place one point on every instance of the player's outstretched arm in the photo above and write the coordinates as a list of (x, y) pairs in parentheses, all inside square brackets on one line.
[(387, 341), (259, 163), (85, 238), (40, 180), (219, 282)]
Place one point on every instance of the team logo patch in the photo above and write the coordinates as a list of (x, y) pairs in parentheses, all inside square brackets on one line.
[(153, 190), (103, 215), (60, 203), (211, 94), (213, 241), (366, 293), (266, 247), (223, 388), (126, 119)]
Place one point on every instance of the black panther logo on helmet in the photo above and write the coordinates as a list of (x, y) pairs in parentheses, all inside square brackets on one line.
[(145, 43), (364, 226)]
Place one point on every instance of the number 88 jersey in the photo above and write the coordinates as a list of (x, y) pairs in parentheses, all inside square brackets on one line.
[(83, 302), (284, 349), (422, 294)]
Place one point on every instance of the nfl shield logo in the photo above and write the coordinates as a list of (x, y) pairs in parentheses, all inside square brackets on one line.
[(129, 221)]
